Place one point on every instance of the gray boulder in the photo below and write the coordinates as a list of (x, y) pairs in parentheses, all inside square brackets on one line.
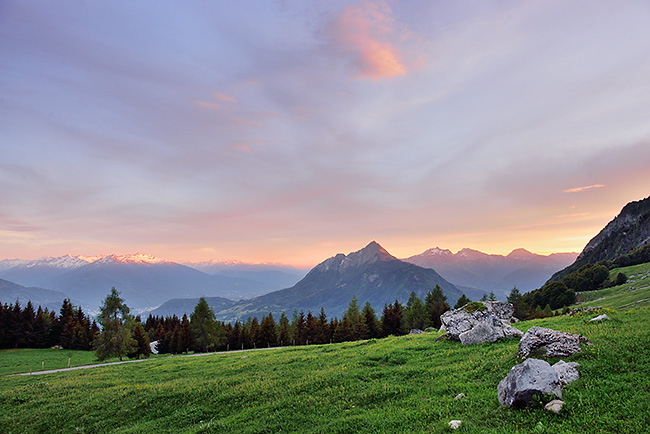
[(599, 318), (552, 342), (532, 377), (489, 329), (458, 321), (479, 326), (566, 372)]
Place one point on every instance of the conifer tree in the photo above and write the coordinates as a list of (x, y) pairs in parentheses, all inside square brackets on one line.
[(268, 336), (322, 335), (414, 313), (462, 301), (143, 346), (436, 304), (284, 330), (207, 333), (372, 327), (116, 321), (185, 341)]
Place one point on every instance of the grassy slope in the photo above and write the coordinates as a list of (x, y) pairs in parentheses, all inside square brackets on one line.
[(634, 293), (395, 385)]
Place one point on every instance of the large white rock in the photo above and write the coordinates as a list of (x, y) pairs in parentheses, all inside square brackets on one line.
[(490, 329), (494, 323), (532, 377), (552, 342)]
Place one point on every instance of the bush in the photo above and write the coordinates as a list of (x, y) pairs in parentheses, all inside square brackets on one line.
[(474, 306)]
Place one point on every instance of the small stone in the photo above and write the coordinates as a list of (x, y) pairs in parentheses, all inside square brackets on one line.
[(416, 331), (454, 424), (600, 318), (555, 406), (460, 396)]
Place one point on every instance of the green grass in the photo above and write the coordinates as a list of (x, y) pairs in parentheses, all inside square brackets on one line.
[(395, 385), (634, 293), (30, 360)]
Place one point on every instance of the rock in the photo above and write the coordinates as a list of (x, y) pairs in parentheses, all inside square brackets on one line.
[(56, 347), (532, 377), (416, 331), (459, 321), (583, 310), (600, 318), (454, 424), (489, 329), (460, 396), (555, 406), (567, 372), (154, 347), (554, 343)]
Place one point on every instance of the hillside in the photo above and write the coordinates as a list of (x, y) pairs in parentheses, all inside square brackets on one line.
[(11, 292), (628, 231), (371, 274), (180, 306), (398, 385)]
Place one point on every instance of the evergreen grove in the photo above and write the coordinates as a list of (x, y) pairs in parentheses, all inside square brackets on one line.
[(201, 332)]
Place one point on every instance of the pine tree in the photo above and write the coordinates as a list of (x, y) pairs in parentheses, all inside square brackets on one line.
[(116, 321), (143, 346), (462, 301), (185, 341), (414, 313), (268, 336), (371, 323), (284, 330), (206, 332), (436, 304), (322, 335), (392, 321)]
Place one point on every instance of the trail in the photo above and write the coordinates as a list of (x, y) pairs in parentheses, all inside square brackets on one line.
[(76, 368)]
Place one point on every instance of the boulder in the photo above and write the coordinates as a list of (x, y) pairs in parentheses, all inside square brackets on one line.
[(458, 321), (455, 424), (489, 329), (555, 406), (532, 377), (552, 342), (600, 318), (567, 372), (416, 331)]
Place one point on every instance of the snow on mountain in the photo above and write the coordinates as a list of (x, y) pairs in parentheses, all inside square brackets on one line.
[(6, 264), (138, 258)]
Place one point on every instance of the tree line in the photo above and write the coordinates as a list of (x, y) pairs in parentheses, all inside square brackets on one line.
[(28, 328), (174, 335)]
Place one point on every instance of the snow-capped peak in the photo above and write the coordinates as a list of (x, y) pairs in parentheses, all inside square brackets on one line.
[(65, 261), (138, 258)]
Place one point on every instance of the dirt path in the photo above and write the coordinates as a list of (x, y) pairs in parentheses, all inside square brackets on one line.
[(75, 368)]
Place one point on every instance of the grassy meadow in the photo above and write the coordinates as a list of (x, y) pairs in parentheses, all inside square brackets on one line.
[(395, 385)]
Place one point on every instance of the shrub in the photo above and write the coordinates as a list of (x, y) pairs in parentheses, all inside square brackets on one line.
[(474, 306)]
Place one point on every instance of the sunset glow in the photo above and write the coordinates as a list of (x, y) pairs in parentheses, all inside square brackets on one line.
[(290, 131)]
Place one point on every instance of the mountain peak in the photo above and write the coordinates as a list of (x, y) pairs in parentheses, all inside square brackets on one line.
[(138, 258), (520, 254), (372, 253)]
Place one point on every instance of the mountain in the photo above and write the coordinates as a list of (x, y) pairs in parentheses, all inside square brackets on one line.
[(41, 271), (144, 281), (629, 230), (11, 292), (268, 276), (471, 269), (180, 306), (371, 274)]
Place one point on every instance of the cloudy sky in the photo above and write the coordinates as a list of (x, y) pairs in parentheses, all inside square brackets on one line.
[(288, 131)]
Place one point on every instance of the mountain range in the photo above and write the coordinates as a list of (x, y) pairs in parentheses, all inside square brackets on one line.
[(474, 271), (152, 284), (144, 281), (370, 274)]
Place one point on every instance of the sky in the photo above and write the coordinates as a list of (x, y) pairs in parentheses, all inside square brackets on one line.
[(289, 131)]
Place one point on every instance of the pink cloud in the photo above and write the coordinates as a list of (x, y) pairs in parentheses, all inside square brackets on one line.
[(579, 189), (365, 33), (222, 97)]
